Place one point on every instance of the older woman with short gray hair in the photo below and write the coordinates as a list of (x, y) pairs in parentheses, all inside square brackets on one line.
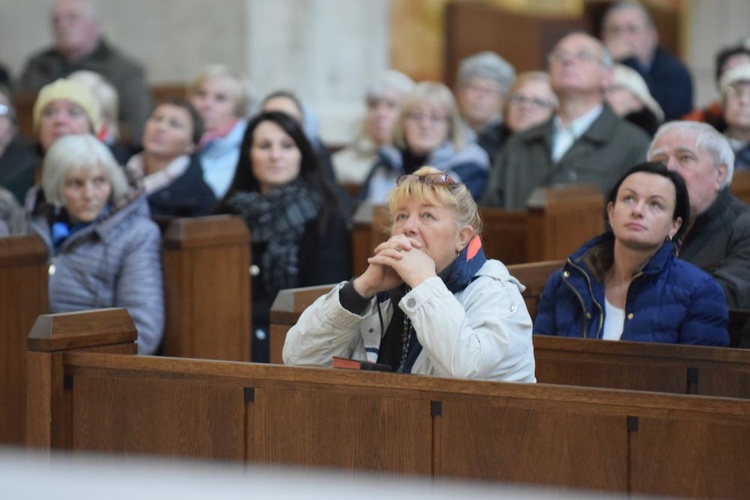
[(104, 248), (482, 86)]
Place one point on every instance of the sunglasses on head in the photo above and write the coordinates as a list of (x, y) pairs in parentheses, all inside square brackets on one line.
[(436, 179)]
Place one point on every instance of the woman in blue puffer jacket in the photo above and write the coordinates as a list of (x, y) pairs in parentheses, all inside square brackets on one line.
[(628, 284)]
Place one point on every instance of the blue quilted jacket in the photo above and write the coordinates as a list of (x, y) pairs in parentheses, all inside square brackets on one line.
[(670, 301)]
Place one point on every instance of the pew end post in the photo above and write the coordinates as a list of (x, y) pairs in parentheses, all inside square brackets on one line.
[(207, 288), (285, 312), (23, 295), (102, 330)]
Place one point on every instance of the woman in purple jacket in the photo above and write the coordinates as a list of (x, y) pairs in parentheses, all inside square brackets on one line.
[(628, 284)]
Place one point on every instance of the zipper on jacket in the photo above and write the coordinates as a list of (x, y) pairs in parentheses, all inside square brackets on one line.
[(627, 296), (583, 305)]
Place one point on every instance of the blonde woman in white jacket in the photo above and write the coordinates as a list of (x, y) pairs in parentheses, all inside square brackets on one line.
[(430, 302)]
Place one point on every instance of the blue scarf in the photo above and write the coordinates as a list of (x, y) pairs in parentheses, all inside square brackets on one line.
[(62, 228)]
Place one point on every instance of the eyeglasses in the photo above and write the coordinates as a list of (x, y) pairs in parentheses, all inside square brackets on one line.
[(740, 90), (436, 179), (581, 56), (534, 102), (483, 90), (630, 29), (434, 119)]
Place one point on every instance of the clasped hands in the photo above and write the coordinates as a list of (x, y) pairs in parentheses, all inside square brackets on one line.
[(399, 260)]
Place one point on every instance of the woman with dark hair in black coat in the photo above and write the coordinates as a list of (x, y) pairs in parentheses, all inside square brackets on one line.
[(298, 220)]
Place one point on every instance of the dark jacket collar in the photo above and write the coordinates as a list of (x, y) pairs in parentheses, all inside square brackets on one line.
[(718, 207), (583, 257)]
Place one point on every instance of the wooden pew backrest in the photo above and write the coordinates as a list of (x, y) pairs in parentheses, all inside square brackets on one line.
[(573, 437), (677, 369), (534, 277)]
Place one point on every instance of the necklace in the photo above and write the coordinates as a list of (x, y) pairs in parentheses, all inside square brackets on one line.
[(406, 336)]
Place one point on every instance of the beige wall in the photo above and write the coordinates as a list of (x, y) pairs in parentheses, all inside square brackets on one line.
[(711, 25), (325, 50), (172, 38)]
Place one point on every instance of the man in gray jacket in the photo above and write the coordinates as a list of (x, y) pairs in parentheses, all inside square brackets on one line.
[(718, 239), (584, 143)]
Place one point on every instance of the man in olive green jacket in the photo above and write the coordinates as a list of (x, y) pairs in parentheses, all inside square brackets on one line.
[(584, 143)]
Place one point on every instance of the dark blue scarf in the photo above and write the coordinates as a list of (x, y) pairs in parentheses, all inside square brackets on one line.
[(61, 227)]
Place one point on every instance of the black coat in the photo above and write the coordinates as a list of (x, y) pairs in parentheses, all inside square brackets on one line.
[(186, 196)]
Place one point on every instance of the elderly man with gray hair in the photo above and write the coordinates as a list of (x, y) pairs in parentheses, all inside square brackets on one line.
[(718, 239), (483, 82)]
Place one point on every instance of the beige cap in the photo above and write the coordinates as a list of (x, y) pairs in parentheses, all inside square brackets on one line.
[(739, 73), (65, 89), (628, 78)]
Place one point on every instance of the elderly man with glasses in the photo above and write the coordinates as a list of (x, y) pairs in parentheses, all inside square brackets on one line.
[(585, 142)]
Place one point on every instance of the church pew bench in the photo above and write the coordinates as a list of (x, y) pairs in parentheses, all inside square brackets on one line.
[(562, 436)]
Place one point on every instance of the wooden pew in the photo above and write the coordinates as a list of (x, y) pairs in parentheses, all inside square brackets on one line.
[(558, 220), (677, 369), (207, 299), (23, 295), (207, 288), (571, 437)]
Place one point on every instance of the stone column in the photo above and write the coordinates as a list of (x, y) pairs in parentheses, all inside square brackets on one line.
[(326, 51)]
